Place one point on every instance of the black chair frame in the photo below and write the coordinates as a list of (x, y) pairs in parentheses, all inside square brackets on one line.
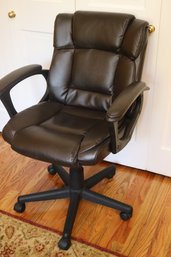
[(76, 188)]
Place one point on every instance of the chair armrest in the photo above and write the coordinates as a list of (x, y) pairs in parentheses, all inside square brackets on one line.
[(10, 80), (126, 98), (13, 78)]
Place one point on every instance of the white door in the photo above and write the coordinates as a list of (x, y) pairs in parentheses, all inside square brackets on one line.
[(27, 39), (6, 52), (160, 134)]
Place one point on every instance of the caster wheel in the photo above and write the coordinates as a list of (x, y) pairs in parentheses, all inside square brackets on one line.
[(110, 176), (64, 243), (125, 216), (19, 207), (111, 173), (52, 169)]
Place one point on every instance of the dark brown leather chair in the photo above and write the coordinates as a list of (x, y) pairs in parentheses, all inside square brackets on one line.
[(92, 103)]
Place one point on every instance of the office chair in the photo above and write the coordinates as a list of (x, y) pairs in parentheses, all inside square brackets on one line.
[(90, 108)]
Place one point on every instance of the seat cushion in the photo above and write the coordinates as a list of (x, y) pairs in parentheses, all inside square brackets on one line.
[(59, 134)]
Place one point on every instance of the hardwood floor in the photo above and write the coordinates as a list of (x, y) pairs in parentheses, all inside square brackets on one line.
[(147, 234)]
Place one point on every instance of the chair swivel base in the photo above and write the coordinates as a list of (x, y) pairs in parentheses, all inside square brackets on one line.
[(76, 188)]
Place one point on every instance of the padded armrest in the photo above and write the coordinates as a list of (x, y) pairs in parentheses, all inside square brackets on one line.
[(10, 80), (122, 103), (13, 78)]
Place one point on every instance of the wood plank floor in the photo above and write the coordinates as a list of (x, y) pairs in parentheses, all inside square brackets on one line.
[(147, 234)]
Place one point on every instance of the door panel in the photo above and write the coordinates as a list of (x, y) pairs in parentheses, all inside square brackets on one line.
[(39, 15), (131, 6)]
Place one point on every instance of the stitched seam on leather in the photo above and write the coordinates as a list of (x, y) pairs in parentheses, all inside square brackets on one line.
[(48, 118), (96, 92), (141, 43), (83, 139), (101, 143), (112, 51), (76, 156), (95, 145), (135, 72), (86, 117), (85, 136), (68, 47), (114, 79), (127, 23), (37, 124), (65, 101), (74, 151)]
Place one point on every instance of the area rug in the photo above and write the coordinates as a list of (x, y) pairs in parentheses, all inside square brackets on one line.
[(20, 238)]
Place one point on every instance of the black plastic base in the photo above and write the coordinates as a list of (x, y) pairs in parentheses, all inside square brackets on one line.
[(76, 189)]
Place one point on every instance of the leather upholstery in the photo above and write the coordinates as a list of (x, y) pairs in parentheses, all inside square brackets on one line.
[(57, 133), (106, 54), (89, 30), (96, 57)]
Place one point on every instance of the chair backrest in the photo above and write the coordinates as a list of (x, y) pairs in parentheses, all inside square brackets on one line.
[(96, 55)]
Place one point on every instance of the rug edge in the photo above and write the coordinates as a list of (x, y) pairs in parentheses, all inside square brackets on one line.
[(60, 233)]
